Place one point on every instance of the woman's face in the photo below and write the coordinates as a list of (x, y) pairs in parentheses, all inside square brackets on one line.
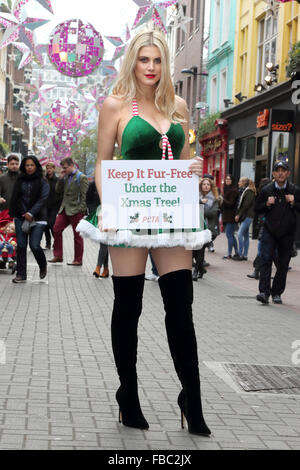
[(228, 180), (30, 167), (148, 66), (241, 183), (206, 187)]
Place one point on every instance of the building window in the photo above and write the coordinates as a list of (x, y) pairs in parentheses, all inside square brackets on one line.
[(267, 38), (192, 7), (293, 24), (243, 55), (216, 35), (198, 6), (213, 94), (223, 88), (248, 157), (226, 20), (188, 93)]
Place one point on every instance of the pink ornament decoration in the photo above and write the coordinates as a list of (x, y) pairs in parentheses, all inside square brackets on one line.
[(150, 10), (64, 117), (64, 139), (19, 30), (38, 93), (75, 48), (19, 4)]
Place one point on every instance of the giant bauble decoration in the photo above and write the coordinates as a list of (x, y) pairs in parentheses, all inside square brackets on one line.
[(64, 139), (75, 48)]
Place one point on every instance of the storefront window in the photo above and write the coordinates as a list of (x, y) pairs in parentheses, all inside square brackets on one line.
[(248, 157), (280, 147)]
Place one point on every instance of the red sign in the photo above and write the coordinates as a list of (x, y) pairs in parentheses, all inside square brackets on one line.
[(262, 119)]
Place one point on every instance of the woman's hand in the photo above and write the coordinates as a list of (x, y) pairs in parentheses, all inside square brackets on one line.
[(204, 200), (237, 218), (28, 217), (196, 167), (100, 225)]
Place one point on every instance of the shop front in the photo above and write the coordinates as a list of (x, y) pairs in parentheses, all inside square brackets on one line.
[(214, 152)]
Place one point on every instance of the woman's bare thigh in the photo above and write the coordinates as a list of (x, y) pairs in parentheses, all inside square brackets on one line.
[(171, 259), (128, 261)]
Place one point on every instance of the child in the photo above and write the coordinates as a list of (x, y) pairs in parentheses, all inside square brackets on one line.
[(8, 241)]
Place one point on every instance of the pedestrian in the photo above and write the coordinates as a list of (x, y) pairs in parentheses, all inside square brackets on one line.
[(53, 203), (141, 115), (258, 224), (7, 181), (28, 207), (228, 209), (73, 186), (245, 216), (93, 202), (278, 201), (8, 242), (209, 198)]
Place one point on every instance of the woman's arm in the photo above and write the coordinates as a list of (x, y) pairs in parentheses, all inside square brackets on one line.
[(182, 109), (42, 200), (109, 119)]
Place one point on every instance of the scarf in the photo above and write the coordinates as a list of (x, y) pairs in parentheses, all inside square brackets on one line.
[(210, 199)]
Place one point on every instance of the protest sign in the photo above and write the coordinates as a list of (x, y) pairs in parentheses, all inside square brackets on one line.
[(149, 194)]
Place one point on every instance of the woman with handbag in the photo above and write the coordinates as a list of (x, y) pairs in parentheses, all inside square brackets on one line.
[(28, 207), (210, 199)]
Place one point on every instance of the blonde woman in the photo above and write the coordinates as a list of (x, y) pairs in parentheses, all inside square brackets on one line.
[(142, 114), (209, 197), (245, 216)]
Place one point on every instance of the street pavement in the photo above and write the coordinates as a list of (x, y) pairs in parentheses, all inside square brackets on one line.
[(57, 388)]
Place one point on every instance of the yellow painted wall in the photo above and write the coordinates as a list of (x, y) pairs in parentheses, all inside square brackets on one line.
[(249, 13)]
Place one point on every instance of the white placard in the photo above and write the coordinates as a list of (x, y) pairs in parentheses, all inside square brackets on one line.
[(149, 194)]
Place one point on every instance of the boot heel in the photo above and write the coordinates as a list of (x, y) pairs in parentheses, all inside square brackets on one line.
[(182, 420), (120, 416)]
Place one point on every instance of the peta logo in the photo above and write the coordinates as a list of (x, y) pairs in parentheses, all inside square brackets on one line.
[(296, 354), (2, 353)]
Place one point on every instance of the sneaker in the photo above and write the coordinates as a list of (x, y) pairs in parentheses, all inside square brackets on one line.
[(151, 277), (19, 279), (205, 264), (211, 249), (238, 258), (276, 299), (227, 257), (263, 298)]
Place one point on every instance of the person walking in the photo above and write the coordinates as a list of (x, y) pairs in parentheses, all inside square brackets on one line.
[(7, 181), (278, 201), (145, 118), (209, 198), (245, 216), (93, 202), (28, 207), (73, 186), (228, 209), (53, 203)]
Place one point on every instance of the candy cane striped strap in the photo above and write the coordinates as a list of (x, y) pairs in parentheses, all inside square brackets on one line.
[(135, 110), (166, 145)]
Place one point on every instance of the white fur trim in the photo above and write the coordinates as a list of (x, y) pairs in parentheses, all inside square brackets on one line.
[(190, 240)]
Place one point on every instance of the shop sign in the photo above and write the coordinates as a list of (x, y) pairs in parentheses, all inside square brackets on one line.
[(262, 119), (212, 145), (282, 120), (231, 149)]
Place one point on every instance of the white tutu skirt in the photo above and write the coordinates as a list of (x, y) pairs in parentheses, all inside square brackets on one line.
[(192, 239)]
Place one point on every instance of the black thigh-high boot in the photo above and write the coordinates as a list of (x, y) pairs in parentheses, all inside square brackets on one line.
[(177, 292), (126, 312)]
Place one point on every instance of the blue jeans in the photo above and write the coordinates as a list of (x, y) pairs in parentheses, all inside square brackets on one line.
[(34, 237), (243, 236), (232, 243)]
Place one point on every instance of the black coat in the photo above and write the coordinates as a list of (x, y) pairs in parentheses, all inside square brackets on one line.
[(280, 218), (92, 197), (229, 204), (54, 199)]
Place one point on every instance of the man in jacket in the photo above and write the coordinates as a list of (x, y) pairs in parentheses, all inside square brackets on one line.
[(53, 204), (278, 201), (73, 185), (7, 181)]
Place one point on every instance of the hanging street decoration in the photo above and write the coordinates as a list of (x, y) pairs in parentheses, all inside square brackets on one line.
[(76, 49), (19, 4), (29, 55), (181, 20), (38, 93), (19, 30), (150, 10), (121, 45), (65, 116)]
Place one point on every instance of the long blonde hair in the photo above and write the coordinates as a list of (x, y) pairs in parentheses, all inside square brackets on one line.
[(249, 183), (127, 86), (213, 187)]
